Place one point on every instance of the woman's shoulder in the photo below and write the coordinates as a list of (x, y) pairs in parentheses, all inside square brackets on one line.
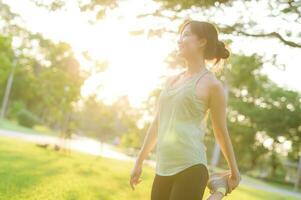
[(212, 80), (217, 88)]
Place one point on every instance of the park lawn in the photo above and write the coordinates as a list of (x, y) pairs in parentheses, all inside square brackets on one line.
[(30, 172), (14, 126)]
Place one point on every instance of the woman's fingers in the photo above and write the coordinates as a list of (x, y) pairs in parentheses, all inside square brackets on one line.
[(132, 184), (135, 175), (233, 182), (229, 185), (134, 181)]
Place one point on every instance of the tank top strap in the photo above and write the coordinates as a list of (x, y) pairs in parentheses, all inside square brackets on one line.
[(186, 83), (171, 85), (174, 80), (198, 77)]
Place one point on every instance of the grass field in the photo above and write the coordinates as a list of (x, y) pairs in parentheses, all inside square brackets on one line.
[(33, 173), (14, 126)]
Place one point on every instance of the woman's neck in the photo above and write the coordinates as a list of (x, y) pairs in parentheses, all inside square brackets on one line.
[(195, 65)]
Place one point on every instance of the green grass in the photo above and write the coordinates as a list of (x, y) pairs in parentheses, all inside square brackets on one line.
[(30, 172), (14, 126), (284, 186)]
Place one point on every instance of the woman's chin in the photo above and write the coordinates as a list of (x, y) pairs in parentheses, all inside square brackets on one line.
[(181, 54), (183, 57)]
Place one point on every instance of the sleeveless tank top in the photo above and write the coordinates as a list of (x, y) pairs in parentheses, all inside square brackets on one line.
[(180, 131)]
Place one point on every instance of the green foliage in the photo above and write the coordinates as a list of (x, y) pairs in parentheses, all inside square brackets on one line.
[(27, 118), (50, 86), (131, 139), (15, 108), (104, 122), (6, 57), (95, 119), (260, 107)]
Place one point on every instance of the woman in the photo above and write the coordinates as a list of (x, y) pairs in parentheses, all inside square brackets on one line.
[(177, 129)]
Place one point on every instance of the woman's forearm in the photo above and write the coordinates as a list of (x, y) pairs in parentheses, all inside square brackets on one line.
[(226, 146), (218, 107), (150, 141)]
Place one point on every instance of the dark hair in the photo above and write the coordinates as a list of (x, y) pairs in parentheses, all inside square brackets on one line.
[(215, 49)]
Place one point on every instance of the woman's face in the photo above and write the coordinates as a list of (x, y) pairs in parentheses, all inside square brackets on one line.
[(189, 44)]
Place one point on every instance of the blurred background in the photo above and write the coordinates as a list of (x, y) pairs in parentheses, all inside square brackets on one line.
[(79, 81)]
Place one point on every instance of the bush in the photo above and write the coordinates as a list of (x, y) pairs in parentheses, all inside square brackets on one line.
[(130, 139), (15, 108), (27, 118)]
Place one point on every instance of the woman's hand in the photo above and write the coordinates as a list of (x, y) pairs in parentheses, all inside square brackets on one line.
[(233, 181), (135, 175)]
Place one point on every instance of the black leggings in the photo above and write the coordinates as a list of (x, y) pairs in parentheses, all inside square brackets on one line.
[(188, 184)]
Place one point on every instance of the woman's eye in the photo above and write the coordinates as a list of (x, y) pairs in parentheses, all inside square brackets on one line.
[(185, 34)]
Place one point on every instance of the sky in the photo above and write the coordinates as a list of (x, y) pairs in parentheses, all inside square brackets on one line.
[(136, 63)]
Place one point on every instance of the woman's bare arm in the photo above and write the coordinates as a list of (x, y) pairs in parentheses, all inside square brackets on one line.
[(150, 141), (148, 144), (218, 103)]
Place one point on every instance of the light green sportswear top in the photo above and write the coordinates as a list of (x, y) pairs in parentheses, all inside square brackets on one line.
[(180, 127)]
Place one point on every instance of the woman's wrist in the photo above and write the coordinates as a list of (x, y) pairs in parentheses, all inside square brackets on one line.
[(235, 174), (234, 171)]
